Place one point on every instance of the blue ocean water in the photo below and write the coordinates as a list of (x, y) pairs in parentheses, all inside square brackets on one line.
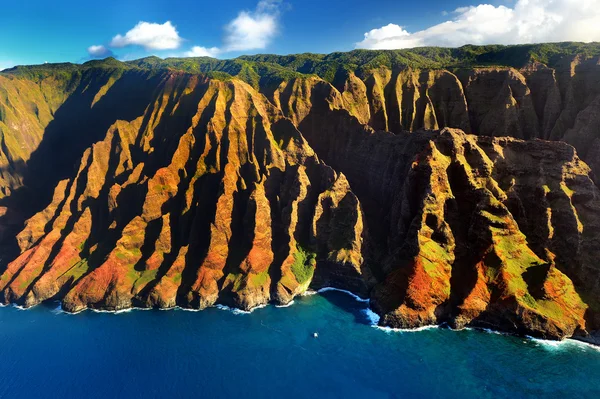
[(273, 353)]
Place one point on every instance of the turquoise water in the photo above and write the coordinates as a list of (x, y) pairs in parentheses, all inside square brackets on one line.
[(272, 353)]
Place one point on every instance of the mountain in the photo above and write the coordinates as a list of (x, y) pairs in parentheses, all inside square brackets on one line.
[(446, 185)]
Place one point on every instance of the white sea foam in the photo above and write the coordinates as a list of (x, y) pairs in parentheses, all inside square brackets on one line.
[(239, 311), (326, 289), (583, 344), (490, 331), (548, 344), (563, 345), (232, 310), (184, 309), (58, 309), (403, 330), (372, 316), (287, 305), (309, 293), (119, 311), (103, 311), (73, 313)]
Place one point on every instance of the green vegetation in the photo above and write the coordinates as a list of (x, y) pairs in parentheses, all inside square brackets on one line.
[(128, 255), (362, 61), (177, 278), (434, 252), (236, 281), (79, 269), (529, 300), (258, 280), (30, 278), (268, 71), (546, 189), (516, 257), (146, 277), (255, 73), (161, 187), (566, 189), (62, 72), (304, 265)]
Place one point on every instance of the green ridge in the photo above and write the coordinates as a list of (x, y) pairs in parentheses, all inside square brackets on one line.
[(267, 69)]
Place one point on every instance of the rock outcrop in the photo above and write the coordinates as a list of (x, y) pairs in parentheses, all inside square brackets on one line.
[(427, 190)]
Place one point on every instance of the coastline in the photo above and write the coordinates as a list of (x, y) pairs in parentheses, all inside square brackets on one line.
[(369, 313)]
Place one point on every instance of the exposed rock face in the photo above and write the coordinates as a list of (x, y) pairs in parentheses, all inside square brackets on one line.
[(462, 245), (536, 101), (462, 228), (211, 195), (191, 191)]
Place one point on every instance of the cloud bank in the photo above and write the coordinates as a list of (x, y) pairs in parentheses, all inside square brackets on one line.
[(529, 21)]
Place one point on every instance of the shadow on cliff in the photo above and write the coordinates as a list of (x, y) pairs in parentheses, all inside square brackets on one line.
[(81, 120)]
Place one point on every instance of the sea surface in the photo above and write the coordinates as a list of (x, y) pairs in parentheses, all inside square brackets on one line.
[(273, 352)]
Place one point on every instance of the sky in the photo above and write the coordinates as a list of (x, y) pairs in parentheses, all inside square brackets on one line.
[(39, 31)]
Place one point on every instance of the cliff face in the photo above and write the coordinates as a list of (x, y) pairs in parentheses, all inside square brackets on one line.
[(188, 190), (469, 230), (210, 195), (532, 102), (67, 111)]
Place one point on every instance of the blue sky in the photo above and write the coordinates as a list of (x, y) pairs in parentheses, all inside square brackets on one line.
[(38, 31)]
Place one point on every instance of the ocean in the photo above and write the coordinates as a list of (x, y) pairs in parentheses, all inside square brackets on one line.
[(273, 352)]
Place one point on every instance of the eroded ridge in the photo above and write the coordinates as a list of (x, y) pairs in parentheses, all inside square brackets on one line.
[(191, 191), (231, 205)]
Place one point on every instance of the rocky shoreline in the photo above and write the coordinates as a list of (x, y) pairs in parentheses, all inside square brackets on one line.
[(593, 342)]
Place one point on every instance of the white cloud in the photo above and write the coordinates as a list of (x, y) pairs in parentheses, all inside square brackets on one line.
[(99, 51), (198, 51), (253, 30), (528, 21), (151, 36), (250, 30)]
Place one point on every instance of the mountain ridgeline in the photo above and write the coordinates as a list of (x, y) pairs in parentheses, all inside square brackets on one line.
[(447, 185)]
